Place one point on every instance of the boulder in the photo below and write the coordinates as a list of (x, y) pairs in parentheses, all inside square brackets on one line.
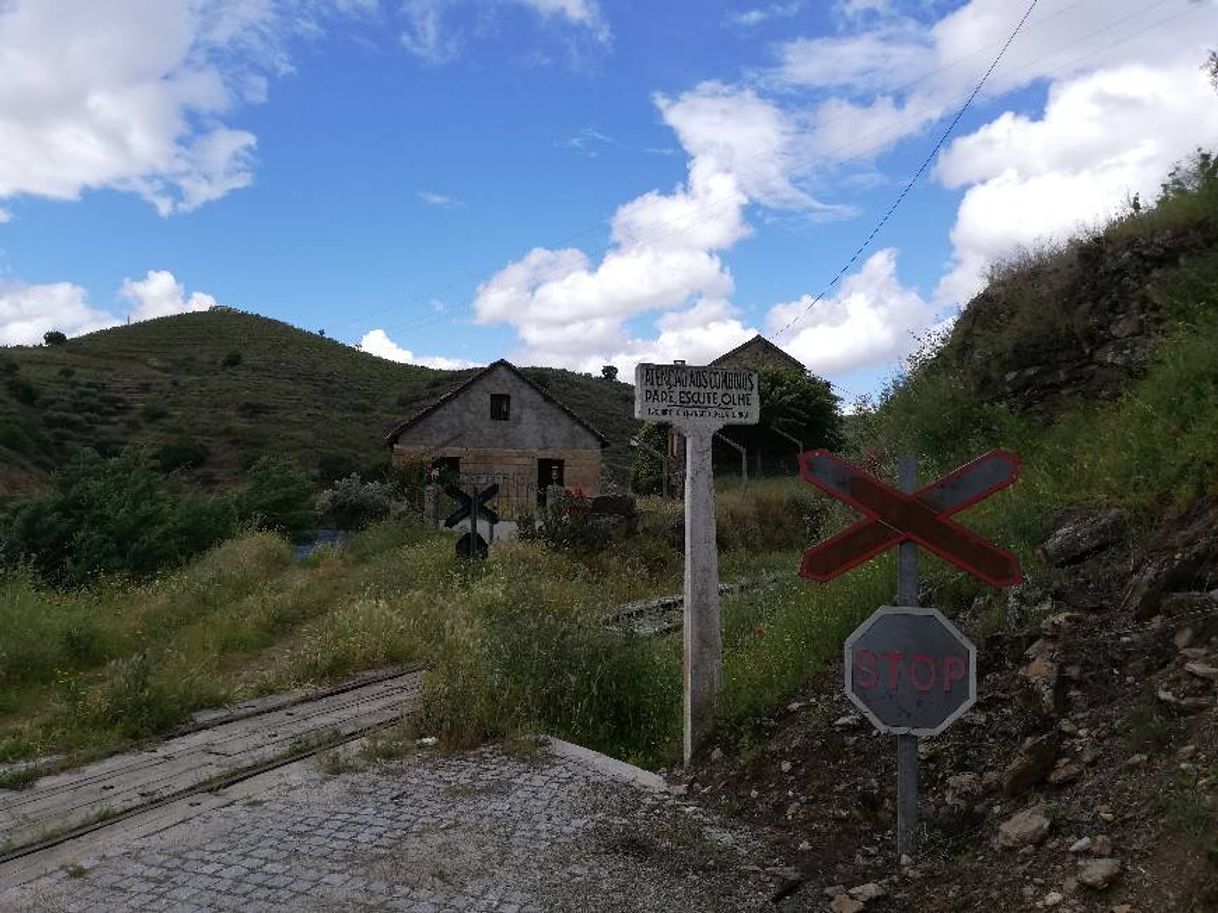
[(1083, 537), (1027, 828), (1032, 765), (866, 892), (1097, 874)]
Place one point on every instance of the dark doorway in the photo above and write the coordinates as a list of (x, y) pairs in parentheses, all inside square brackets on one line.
[(446, 470), (549, 472)]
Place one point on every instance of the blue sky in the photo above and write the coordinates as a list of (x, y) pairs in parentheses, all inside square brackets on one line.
[(565, 181)]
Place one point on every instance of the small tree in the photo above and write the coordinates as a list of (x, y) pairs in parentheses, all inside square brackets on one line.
[(802, 405), (609, 372), (647, 470), (54, 338), (278, 495)]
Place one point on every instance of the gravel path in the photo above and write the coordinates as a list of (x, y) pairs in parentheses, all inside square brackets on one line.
[(433, 833)]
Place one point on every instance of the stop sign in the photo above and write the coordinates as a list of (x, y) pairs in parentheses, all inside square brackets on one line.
[(910, 670)]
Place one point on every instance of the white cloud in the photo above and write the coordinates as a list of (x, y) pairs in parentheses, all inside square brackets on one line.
[(1102, 138), (425, 35), (28, 311), (872, 320), (5, 216), (585, 13), (886, 76), (760, 14), (133, 95), (159, 294), (665, 257), (430, 36), (377, 342), (874, 60), (439, 200), (1126, 99), (736, 132)]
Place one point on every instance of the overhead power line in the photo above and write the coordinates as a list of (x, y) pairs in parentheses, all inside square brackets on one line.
[(483, 274), (450, 314), (913, 180)]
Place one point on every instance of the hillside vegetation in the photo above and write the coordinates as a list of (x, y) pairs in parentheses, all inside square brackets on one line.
[(1096, 359), (222, 388)]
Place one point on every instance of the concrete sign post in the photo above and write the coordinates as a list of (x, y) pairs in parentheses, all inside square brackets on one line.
[(698, 401), (908, 668)]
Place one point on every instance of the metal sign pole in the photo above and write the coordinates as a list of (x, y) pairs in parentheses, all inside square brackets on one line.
[(907, 745)]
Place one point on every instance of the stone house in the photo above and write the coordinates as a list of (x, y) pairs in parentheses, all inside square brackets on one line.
[(502, 427), (777, 454), (758, 353)]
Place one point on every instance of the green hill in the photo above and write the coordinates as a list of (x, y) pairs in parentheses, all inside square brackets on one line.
[(223, 387)]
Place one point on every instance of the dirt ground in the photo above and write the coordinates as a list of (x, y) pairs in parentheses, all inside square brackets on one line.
[(1096, 716)]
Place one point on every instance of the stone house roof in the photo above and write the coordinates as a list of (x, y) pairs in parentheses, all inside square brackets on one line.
[(392, 437), (759, 352)]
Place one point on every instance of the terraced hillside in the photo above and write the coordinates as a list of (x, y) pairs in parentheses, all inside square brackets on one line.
[(225, 387)]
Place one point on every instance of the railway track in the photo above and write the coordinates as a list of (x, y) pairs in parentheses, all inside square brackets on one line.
[(214, 753)]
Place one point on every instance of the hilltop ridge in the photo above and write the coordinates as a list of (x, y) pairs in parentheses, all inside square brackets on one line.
[(240, 385)]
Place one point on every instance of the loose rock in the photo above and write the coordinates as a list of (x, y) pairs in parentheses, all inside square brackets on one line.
[(1024, 829), (1081, 845), (1202, 670), (866, 892), (1097, 874), (844, 904), (1032, 765)]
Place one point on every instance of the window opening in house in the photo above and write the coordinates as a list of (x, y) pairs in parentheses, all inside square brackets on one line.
[(501, 407)]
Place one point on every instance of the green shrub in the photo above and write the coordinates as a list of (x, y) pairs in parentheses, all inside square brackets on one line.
[(278, 495), (135, 699), (232, 358), (334, 466), (522, 660), (116, 516), (183, 453), (16, 437), (22, 390), (567, 523), (153, 412), (354, 504), (54, 338)]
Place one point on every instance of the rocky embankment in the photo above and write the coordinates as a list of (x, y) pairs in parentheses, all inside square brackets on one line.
[(1084, 779), (1079, 326)]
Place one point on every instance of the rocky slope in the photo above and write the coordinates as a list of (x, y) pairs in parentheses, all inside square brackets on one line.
[(1076, 325), (1084, 779)]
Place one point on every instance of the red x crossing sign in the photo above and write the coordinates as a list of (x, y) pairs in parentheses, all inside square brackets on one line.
[(893, 517)]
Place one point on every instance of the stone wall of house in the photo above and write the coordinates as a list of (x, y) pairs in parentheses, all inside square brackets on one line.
[(534, 423), (581, 467)]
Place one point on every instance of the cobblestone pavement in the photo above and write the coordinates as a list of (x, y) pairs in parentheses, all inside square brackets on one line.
[(433, 833)]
